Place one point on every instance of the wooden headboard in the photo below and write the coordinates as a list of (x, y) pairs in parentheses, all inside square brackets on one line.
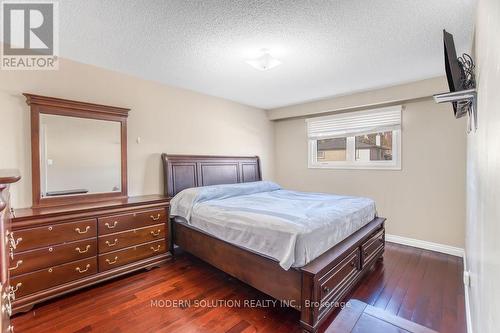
[(185, 171)]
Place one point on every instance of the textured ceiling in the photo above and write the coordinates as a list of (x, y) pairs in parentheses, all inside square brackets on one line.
[(327, 47)]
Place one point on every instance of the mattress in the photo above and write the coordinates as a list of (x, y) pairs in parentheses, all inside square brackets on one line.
[(291, 227)]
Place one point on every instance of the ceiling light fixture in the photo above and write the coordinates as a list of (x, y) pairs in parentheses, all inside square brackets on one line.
[(264, 62)]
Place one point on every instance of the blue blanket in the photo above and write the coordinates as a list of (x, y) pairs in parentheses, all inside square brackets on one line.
[(291, 227)]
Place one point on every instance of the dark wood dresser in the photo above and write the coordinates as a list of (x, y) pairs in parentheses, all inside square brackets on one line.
[(83, 228), (7, 177), (60, 249)]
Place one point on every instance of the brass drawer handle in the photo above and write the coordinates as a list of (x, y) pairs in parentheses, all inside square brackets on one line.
[(111, 226), (156, 234), (83, 251), (111, 262), (112, 244), (155, 218), (16, 242), (14, 290), (13, 242), (10, 294), (19, 262), (79, 270), (87, 228), (157, 249)]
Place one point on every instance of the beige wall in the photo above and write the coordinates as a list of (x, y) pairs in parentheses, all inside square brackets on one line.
[(425, 200), (167, 119), (363, 100), (483, 176)]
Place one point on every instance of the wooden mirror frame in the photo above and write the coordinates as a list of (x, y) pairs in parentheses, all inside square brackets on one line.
[(56, 106)]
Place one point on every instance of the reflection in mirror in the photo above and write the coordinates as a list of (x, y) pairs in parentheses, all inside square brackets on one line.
[(79, 156)]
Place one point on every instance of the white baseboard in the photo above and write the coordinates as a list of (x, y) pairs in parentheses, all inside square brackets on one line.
[(421, 244), (468, 316)]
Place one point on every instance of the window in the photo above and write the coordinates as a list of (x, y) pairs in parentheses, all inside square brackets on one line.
[(356, 140), (332, 149), (374, 146)]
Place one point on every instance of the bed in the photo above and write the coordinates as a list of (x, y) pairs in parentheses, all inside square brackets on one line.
[(308, 268)]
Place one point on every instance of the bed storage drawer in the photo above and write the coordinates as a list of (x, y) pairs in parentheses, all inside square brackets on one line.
[(33, 238), (50, 277), (118, 258), (132, 237), (116, 223), (33, 260), (339, 276), (372, 247)]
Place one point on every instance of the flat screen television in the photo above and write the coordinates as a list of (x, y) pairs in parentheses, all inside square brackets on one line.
[(454, 70)]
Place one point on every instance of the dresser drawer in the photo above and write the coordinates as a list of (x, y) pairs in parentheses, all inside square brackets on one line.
[(118, 258), (124, 239), (32, 260), (115, 223), (372, 247), (54, 234), (50, 277), (343, 273)]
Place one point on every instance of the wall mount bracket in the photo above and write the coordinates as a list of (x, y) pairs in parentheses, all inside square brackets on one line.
[(457, 96), (465, 102)]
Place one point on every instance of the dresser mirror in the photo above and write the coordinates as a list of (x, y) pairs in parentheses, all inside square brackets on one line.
[(78, 151), (70, 165)]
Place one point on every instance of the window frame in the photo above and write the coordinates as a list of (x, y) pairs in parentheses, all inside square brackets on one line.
[(351, 162)]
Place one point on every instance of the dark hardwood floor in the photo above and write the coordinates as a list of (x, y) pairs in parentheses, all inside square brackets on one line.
[(422, 286)]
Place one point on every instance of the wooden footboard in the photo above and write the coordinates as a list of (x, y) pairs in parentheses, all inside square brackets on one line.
[(315, 289), (329, 278)]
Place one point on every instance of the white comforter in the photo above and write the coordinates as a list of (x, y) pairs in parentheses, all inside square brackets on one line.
[(291, 227)]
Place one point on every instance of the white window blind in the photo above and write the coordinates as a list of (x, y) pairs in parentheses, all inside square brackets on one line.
[(354, 123)]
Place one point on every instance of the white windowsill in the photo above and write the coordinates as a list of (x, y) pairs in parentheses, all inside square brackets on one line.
[(355, 167)]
